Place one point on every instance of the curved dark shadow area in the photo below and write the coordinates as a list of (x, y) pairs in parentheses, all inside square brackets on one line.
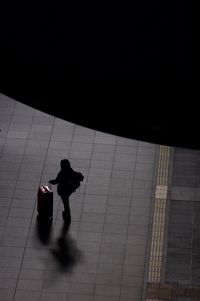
[(49, 64), (133, 119)]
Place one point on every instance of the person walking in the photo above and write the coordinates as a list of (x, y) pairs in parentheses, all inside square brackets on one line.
[(67, 180)]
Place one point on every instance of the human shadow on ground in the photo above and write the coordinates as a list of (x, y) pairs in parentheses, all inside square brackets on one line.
[(65, 251)]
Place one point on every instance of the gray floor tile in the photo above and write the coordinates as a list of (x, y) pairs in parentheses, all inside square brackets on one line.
[(115, 228), (16, 231), (4, 211), (9, 272), (29, 285), (81, 288), (130, 150), (111, 140), (102, 156), (92, 227), (6, 295), (120, 210), (23, 295), (9, 262), (116, 218), (132, 281), (80, 154), (119, 201), (77, 297), (106, 290), (53, 296), (114, 238), (85, 147), (22, 119), (12, 157), (131, 292), (110, 258), (11, 251), (114, 248), (105, 268), (126, 142), (8, 284), (18, 134), (95, 199), (108, 279), (32, 274), (13, 241), (83, 139), (103, 164), (45, 120), (79, 130), (105, 148), (124, 166), (16, 221)]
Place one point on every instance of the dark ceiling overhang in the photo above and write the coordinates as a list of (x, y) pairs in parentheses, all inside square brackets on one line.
[(101, 64), (115, 110)]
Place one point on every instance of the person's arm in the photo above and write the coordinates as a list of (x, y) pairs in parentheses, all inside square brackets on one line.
[(56, 181)]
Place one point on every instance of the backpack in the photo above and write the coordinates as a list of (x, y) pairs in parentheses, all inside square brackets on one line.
[(76, 180)]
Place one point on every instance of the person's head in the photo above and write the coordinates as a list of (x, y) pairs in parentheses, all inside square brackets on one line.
[(65, 164)]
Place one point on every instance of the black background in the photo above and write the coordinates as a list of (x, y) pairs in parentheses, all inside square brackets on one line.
[(102, 64)]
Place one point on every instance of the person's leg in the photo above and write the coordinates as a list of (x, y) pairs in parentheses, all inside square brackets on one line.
[(66, 213)]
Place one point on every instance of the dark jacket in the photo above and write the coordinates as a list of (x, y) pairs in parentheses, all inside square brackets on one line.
[(64, 180)]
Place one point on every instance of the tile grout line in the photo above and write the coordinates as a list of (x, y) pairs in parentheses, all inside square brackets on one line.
[(14, 189), (5, 138), (31, 219), (89, 167), (57, 212), (19, 169), (129, 215), (107, 196), (85, 181), (121, 237)]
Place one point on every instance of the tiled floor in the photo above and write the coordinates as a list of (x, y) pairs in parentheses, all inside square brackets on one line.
[(106, 245), (183, 254)]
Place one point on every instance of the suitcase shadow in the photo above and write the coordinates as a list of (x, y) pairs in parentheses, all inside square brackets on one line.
[(44, 230)]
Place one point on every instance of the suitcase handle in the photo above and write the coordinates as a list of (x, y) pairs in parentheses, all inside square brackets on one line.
[(46, 188)]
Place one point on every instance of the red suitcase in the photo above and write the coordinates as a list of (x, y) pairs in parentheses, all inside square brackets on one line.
[(45, 202)]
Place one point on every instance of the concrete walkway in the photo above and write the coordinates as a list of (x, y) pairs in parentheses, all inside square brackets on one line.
[(103, 258)]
